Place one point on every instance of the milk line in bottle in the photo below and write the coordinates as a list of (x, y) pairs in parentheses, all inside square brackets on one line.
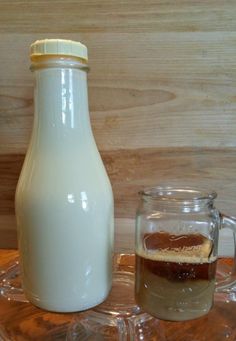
[(64, 201)]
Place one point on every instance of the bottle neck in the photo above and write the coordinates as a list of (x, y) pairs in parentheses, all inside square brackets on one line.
[(61, 103)]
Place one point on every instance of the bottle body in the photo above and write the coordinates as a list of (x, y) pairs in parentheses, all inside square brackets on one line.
[(64, 201)]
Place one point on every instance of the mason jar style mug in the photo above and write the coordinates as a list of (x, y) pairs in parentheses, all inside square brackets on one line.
[(177, 232)]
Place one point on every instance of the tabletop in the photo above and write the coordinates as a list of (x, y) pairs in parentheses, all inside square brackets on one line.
[(21, 321)]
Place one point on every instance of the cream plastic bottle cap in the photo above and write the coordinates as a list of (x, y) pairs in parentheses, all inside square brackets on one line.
[(59, 47)]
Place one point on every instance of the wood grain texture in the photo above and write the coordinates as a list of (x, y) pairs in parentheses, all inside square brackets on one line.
[(131, 170), (167, 90), (8, 236), (24, 322), (162, 91), (116, 16)]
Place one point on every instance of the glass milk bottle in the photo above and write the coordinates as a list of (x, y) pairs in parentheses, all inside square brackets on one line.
[(64, 200)]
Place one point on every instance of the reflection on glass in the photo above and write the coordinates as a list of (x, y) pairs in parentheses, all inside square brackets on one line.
[(84, 201), (67, 98), (71, 198)]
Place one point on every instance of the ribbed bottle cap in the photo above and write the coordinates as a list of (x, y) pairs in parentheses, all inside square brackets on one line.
[(59, 47)]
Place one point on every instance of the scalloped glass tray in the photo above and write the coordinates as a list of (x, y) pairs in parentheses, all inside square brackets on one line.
[(123, 275), (119, 318)]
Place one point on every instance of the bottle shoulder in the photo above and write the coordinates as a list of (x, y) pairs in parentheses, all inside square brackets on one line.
[(47, 170)]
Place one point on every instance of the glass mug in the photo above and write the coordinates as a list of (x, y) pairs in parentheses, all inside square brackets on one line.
[(177, 231)]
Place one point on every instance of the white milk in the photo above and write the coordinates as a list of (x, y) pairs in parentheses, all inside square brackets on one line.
[(64, 201)]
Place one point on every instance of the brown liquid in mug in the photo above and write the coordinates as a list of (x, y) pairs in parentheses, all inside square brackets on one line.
[(175, 275)]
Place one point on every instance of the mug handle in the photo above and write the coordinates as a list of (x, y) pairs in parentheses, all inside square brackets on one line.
[(227, 285)]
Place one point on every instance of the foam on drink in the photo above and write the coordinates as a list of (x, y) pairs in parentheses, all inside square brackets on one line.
[(175, 275)]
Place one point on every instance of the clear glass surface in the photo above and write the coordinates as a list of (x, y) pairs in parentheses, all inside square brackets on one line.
[(118, 318), (177, 233)]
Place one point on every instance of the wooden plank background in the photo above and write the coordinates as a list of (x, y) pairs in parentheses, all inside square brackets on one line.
[(162, 92)]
